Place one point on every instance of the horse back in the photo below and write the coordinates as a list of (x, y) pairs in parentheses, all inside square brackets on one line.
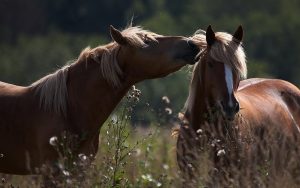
[(11, 97), (266, 102)]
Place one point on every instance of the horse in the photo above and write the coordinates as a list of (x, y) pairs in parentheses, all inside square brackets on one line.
[(225, 111), (79, 97)]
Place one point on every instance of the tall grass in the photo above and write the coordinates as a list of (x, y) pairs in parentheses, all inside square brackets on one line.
[(136, 157)]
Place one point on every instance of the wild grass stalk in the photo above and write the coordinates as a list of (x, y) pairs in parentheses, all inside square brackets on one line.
[(146, 157)]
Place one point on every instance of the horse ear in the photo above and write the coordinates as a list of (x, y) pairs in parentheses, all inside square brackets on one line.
[(117, 36), (238, 34), (210, 36)]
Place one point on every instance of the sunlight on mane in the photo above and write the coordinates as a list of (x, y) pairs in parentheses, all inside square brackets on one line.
[(52, 89), (225, 49), (136, 36)]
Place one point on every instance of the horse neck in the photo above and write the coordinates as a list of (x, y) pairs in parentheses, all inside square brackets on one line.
[(91, 102), (197, 105)]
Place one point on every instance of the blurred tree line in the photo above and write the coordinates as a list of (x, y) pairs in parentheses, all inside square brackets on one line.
[(39, 36)]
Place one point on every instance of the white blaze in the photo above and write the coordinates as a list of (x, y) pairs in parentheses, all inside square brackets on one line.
[(229, 82)]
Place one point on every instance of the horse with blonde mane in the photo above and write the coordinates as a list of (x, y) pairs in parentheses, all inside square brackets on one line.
[(79, 97), (226, 113)]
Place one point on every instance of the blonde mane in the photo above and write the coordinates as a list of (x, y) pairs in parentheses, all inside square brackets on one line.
[(225, 49), (52, 89)]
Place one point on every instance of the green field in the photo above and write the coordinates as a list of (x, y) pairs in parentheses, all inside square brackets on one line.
[(136, 146), (146, 157)]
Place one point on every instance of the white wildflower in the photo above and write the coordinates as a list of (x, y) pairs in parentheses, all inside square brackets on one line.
[(165, 166), (199, 131), (82, 157), (53, 141), (181, 116), (221, 152), (166, 99), (66, 173), (158, 184), (147, 177), (133, 87), (214, 142), (168, 110), (138, 152), (114, 119)]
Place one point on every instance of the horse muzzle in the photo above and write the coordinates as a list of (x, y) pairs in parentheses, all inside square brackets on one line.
[(194, 52), (230, 111)]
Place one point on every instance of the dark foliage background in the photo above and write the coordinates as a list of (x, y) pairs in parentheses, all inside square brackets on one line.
[(38, 36)]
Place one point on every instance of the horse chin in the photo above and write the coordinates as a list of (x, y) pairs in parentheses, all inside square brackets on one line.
[(230, 118), (166, 74), (175, 68), (191, 60), (227, 115)]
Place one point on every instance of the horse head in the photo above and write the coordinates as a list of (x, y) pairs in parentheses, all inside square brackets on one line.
[(144, 55), (220, 69)]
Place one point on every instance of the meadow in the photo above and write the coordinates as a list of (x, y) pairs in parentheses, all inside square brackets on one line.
[(37, 37), (137, 156)]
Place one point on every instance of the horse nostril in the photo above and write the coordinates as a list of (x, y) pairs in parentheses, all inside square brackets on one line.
[(237, 107), (193, 45), (234, 108)]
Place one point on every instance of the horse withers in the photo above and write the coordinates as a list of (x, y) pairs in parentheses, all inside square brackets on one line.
[(225, 113), (79, 97)]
